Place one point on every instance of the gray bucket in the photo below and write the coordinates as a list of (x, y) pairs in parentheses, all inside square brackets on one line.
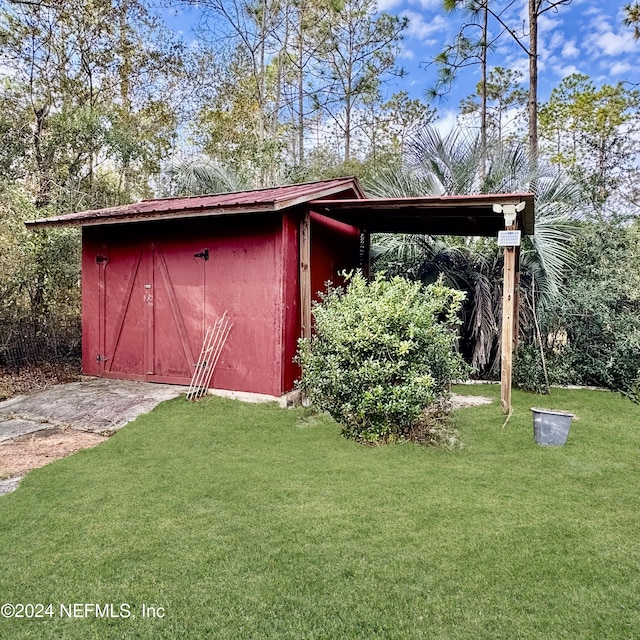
[(551, 428)]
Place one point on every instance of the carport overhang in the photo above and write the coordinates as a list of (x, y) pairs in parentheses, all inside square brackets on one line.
[(439, 215), (477, 215)]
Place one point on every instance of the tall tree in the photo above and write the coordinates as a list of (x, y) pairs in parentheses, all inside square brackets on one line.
[(590, 132), (386, 126), (82, 79), (471, 46), (253, 37), (527, 39), (231, 126), (302, 58), (502, 100), (358, 51), (526, 36)]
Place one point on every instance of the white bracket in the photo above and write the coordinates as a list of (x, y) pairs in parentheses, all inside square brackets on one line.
[(509, 211)]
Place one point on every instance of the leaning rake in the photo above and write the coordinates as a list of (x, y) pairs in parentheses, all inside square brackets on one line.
[(212, 346)]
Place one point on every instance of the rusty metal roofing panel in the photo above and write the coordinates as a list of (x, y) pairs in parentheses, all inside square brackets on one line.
[(255, 201)]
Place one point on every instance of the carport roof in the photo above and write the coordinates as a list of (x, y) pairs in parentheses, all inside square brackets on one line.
[(470, 215)]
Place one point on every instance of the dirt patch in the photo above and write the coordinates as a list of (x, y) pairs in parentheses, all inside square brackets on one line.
[(19, 455), (23, 453), (458, 402)]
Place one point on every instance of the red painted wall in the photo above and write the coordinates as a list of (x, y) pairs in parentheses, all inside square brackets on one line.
[(147, 300), (335, 247), (147, 304), (291, 298)]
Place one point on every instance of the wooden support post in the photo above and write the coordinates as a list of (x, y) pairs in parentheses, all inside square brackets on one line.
[(305, 275), (516, 301), (508, 320)]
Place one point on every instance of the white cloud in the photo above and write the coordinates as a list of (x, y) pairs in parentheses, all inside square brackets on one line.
[(547, 23), (569, 50), (406, 53), (422, 29), (604, 41), (614, 44), (556, 40), (446, 122), (428, 4), (620, 68), (564, 71)]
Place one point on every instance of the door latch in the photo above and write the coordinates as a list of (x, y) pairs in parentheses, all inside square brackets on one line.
[(203, 254)]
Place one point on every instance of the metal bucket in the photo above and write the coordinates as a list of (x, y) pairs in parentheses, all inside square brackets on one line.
[(550, 427)]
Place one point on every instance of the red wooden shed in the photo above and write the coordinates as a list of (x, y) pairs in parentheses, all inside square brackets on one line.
[(156, 274)]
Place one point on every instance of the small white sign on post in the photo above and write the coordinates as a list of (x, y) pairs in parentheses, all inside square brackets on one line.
[(509, 238)]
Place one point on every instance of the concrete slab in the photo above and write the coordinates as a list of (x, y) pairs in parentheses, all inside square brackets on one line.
[(14, 427), (92, 404)]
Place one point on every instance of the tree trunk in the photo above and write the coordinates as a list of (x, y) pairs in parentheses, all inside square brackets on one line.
[(301, 87), (534, 6), (483, 110), (347, 130), (43, 197)]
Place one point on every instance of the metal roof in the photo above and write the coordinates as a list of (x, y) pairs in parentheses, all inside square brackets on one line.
[(254, 201), (341, 199), (468, 215)]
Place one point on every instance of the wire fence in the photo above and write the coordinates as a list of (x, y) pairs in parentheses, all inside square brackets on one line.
[(35, 341)]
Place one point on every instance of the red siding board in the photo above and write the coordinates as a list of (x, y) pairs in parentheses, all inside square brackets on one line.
[(158, 298), (291, 295), (92, 285)]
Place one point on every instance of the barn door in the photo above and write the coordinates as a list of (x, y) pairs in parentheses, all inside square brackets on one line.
[(124, 311), (179, 272), (151, 311)]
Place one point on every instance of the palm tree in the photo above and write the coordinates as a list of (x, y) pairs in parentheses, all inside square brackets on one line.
[(199, 176), (449, 165)]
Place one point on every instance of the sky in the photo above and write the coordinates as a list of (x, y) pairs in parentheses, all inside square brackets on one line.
[(585, 37)]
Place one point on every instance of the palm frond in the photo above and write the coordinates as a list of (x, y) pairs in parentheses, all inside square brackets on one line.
[(201, 176), (394, 183)]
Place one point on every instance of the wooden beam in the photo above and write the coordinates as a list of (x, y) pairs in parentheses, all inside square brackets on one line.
[(305, 275), (516, 301), (508, 323)]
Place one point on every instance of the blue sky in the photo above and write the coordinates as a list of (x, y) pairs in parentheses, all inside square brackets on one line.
[(586, 37)]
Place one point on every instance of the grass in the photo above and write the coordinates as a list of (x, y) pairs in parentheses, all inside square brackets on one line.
[(248, 521)]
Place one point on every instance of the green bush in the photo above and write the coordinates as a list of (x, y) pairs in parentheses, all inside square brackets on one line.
[(599, 311), (381, 352), (528, 372)]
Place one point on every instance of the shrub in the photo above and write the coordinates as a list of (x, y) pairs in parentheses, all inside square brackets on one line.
[(599, 311), (435, 427), (382, 352), (528, 372)]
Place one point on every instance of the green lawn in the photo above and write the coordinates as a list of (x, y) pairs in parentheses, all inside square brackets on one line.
[(248, 521)]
